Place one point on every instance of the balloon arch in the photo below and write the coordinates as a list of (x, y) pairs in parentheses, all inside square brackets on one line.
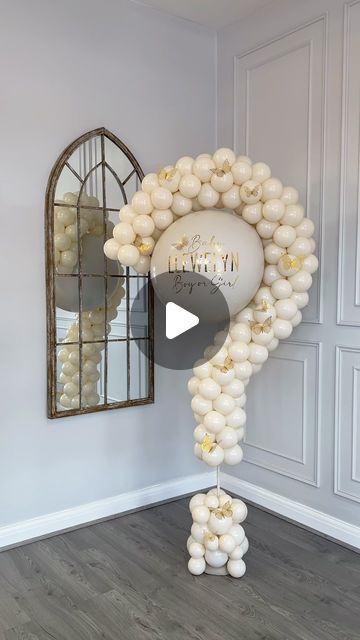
[(217, 542)]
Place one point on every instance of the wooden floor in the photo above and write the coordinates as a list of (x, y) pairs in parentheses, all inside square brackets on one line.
[(126, 579)]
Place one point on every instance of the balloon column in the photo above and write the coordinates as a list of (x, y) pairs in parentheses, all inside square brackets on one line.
[(226, 181)]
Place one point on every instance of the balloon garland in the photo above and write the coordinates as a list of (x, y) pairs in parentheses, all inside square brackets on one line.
[(224, 180), (92, 322)]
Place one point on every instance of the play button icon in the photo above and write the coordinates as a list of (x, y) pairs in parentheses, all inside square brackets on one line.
[(178, 320)]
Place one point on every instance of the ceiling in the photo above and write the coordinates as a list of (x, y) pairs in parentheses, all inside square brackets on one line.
[(210, 13)]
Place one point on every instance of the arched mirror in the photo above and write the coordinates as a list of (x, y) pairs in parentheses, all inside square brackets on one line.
[(100, 316)]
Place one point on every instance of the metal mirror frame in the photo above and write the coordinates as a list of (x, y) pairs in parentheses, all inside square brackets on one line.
[(60, 164)]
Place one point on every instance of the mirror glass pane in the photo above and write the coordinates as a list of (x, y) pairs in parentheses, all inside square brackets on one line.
[(100, 308)]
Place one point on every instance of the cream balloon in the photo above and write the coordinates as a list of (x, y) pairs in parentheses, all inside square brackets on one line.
[(225, 251)]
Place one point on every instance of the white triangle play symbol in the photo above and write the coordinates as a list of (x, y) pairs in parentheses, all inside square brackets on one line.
[(178, 320)]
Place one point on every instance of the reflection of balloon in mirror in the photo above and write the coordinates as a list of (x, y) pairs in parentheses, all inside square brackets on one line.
[(219, 246), (93, 291)]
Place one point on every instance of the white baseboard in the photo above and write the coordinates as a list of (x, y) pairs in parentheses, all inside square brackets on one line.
[(21, 532), (325, 524)]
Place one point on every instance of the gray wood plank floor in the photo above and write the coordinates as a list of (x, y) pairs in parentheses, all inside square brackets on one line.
[(127, 579)]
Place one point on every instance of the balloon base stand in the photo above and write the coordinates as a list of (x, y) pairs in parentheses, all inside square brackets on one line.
[(216, 571)]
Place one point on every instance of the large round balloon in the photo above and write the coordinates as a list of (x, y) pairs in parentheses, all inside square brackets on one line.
[(206, 255)]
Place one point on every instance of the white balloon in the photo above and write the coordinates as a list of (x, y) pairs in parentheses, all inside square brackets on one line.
[(198, 531), (143, 225), (141, 202), (216, 558), (237, 418), (235, 389), (128, 255), (201, 405), (241, 171), (189, 186), (196, 566), (161, 198), (202, 369), (209, 389), (214, 421), (200, 514), (271, 188), (196, 550), (238, 351), (227, 543), (233, 455), (252, 213), (239, 510), (227, 438), (260, 171), (197, 500), (236, 568), (237, 554), (211, 542), (224, 404), (282, 329), (219, 526), (214, 457), (193, 385), (237, 533)]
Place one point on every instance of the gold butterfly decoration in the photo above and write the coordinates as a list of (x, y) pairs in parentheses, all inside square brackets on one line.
[(224, 512), (142, 246), (260, 327), (264, 306), (167, 174), (182, 244), (224, 368), (221, 171), (251, 191), (207, 444), (292, 262)]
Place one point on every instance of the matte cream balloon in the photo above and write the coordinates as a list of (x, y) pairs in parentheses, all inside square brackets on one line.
[(215, 235)]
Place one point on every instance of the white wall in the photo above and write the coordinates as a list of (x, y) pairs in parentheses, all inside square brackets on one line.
[(68, 67), (287, 96)]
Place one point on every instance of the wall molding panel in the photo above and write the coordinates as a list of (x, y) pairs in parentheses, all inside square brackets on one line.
[(283, 437), (348, 312), (265, 82), (310, 518), (347, 423)]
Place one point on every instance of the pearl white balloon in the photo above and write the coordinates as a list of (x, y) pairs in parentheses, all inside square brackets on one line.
[(239, 510), (238, 351), (244, 159), (252, 213), (237, 418), (258, 353), (223, 155), (300, 247), (251, 192), (281, 289), (211, 542), (290, 195), (295, 321), (273, 210), (273, 344), (266, 229), (181, 206), (200, 433), (300, 298), (219, 526), (201, 405), (150, 182), (143, 225), (240, 332), (221, 183), (208, 196), (196, 550), (293, 215), (169, 178), (212, 501), (271, 188), (233, 455), (245, 315), (310, 264), (161, 198), (231, 198), (236, 568), (189, 186), (313, 244), (282, 329), (306, 228), (199, 531), (245, 545), (301, 281), (202, 369), (223, 377), (141, 203), (260, 172), (224, 404), (226, 543), (189, 541), (214, 457), (143, 265), (271, 273), (243, 370), (200, 514), (202, 168), (124, 233), (209, 389), (193, 385), (234, 389), (237, 533), (241, 171), (162, 218), (227, 438), (196, 566), (111, 249), (216, 558), (273, 253), (237, 554), (128, 255), (284, 235), (285, 309), (197, 500)]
